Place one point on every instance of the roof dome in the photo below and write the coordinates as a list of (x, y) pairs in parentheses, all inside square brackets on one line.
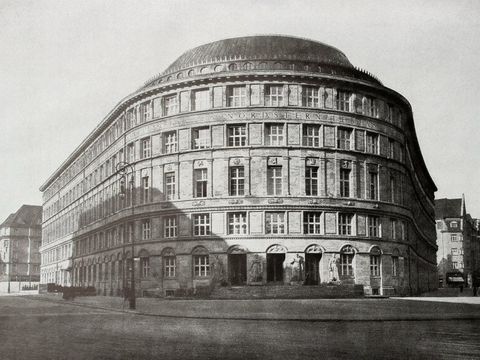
[(261, 47)]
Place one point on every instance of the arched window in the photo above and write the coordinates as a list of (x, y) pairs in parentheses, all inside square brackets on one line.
[(201, 262), (232, 67), (375, 255), (169, 263), (218, 68), (179, 75), (191, 72), (247, 66), (346, 261)]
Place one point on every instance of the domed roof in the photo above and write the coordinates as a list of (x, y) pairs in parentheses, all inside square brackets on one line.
[(261, 47)]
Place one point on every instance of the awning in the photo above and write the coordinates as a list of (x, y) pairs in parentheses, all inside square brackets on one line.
[(455, 279)]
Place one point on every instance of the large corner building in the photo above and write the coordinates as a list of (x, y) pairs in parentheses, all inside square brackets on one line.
[(255, 160)]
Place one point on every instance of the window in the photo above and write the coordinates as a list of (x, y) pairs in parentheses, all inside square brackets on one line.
[(345, 224), (373, 226), (146, 148), (201, 183), (170, 226), (311, 135), (237, 223), (310, 97), (453, 224), (130, 153), (273, 95), (201, 265), (311, 222), (393, 189), (146, 229), (453, 237), (393, 229), (236, 96), (344, 138), (274, 180), (170, 105), (145, 189), (169, 186), (131, 118), (455, 265), (201, 138), (343, 100), (403, 229), (170, 142), (391, 148), (169, 265), (145, 112), (454, 251), (374, 265), (372, 143), (345, 182), (346, 261), (201, 224), (201, 99), (372, 185), (145, 266), (237, 181), (274, 223), (311, 180), (237, 135), (274, 134), (394, 265)]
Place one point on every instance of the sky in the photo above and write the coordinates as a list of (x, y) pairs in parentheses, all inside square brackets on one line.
[(65, 64)]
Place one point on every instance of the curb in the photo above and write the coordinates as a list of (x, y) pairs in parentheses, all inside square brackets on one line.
[(334, 320)]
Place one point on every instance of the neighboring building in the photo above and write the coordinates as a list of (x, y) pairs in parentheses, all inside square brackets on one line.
[(262, 159), (20, 239), (458, 242)]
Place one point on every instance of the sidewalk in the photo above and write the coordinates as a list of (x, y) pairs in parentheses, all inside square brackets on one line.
[(394, 309)]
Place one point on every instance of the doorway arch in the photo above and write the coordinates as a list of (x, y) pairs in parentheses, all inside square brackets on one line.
[(237, 265), (275, 259), (313, 255)]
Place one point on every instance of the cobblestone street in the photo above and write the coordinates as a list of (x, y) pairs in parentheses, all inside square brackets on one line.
[(95, 328)]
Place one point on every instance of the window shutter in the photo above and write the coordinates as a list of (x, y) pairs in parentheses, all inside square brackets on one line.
[(361, 225), (293, 95), (329, 136), (330, 223), (157, 107), (185, 101), (360, 140), (217, 96)]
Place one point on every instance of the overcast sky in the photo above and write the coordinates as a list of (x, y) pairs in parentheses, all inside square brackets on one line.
[(65, 64)]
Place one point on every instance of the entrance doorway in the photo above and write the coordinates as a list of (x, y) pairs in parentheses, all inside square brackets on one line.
[(312, 267), (275, 267), (237, 269)]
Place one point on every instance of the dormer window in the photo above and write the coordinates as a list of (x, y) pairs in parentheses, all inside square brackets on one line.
[(454, 224)]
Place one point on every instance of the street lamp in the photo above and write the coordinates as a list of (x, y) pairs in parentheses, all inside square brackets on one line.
[(124, 169)]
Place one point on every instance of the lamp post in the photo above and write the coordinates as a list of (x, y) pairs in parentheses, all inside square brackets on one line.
[(124, 169)]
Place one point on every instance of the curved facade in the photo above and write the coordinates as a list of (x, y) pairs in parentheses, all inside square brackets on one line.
[(255, 160)]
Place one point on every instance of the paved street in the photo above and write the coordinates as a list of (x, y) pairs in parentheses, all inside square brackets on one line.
[(42, 328)]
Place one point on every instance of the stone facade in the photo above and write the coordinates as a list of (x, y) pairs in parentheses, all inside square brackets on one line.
[(20, 239), (254, 160)]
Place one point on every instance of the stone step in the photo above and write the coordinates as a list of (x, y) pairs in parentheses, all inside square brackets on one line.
[(287, 292)]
